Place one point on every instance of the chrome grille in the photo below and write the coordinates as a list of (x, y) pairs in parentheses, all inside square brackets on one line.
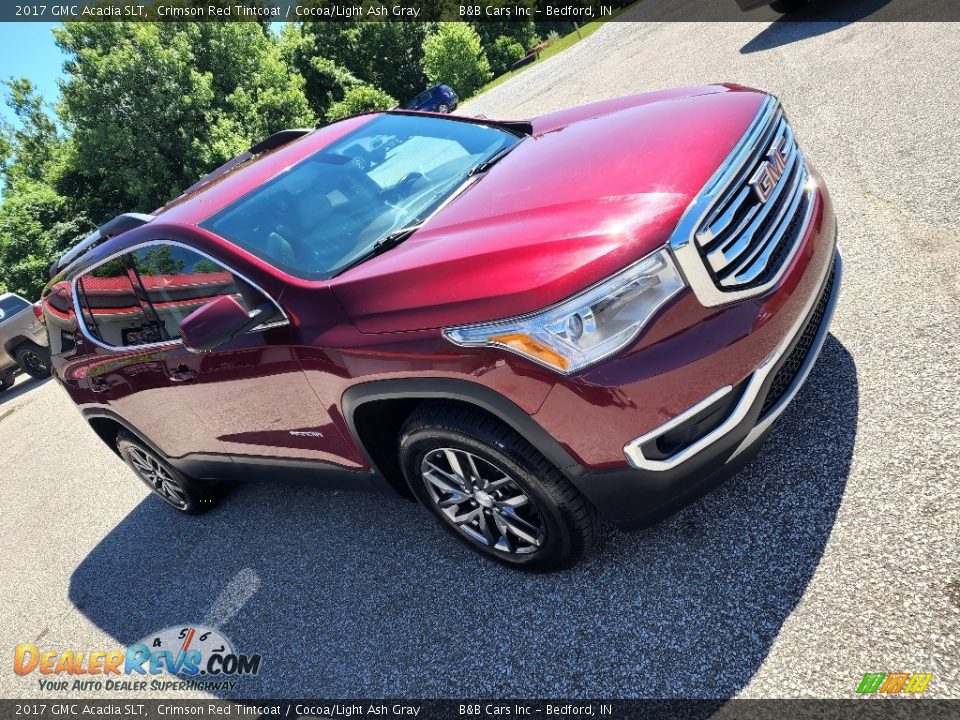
[(742, 230)]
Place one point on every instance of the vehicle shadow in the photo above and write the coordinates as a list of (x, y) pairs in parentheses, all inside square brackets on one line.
[(354, 595), (818, 17), (22, 386)]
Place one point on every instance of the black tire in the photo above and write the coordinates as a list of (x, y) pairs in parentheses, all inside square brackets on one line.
[(178, 491), (787, 6), (7, 381), (443, 108), (568, 527), (34, 360)]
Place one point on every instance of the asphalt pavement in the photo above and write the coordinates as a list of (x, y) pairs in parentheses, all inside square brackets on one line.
[(835, 553)]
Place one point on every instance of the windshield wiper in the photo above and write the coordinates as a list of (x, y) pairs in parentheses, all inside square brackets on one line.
[(492, 160), (383, 244)]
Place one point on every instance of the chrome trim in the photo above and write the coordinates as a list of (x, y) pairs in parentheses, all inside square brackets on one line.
[(768, 128), (81, 323), (684, 416), (633, 450)]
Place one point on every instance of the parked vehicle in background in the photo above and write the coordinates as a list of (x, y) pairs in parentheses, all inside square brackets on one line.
[(439, 98), (525, 325), (23, 340)]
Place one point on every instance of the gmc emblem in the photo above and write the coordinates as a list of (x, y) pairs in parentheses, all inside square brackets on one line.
[(765, 179)]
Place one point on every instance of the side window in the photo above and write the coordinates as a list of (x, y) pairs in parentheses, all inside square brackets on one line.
[(12, 305), (140, 298), (175, 281), (110, 308)]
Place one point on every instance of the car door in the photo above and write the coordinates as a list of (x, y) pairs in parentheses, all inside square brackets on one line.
[(250, 394), (127, 372), (247, 398)]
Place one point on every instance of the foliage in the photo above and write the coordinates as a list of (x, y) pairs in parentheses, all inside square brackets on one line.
[(386, 55), (360, 99), (523, 32), (560, 27), (151, 107), (453, 55), (25, 244), (31, 145), (35, 219), (504, 53), (206, 266), (325, 81), (159, 260)]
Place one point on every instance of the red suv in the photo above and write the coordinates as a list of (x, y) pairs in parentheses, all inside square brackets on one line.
[(526, 326)]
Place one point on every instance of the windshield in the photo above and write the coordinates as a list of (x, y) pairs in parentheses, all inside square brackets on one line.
[(329, 210)]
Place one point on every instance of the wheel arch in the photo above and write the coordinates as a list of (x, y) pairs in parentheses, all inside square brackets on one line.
[(376, 411), (11, 345), (107, 425)]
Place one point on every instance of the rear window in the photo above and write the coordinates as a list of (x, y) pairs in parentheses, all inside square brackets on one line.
[(324, 213), (11, 305)]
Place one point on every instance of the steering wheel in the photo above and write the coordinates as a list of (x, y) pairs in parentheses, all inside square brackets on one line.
[(405, 186)]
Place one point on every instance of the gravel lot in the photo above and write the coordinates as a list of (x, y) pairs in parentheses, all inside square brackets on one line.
[(835, 553)]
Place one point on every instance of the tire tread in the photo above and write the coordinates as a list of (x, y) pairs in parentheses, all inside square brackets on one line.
[(580, 515)]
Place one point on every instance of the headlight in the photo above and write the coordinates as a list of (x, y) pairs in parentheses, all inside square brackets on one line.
[(589, 326)]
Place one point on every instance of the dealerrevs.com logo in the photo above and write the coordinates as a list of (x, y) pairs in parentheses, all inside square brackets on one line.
[(202, 659)]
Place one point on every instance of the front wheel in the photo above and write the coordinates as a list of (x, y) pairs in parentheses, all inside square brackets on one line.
[(180, 492), (493, 491), (34, 360), (443, 108)]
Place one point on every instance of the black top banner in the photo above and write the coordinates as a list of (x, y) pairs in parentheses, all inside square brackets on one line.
[(580, 11)]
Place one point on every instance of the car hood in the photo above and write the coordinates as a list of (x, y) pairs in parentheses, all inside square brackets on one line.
[(593, 189)]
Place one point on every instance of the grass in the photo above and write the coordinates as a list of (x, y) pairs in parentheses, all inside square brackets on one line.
[(552, 49)]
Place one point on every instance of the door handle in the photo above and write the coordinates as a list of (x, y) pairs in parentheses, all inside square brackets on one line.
[(98, 385), (181, 373)]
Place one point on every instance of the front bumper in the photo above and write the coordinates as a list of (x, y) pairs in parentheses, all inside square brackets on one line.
[(656, 485)]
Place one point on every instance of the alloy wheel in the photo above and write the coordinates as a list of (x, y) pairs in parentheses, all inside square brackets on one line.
[(482, 501), (33, 363), (158, 478)]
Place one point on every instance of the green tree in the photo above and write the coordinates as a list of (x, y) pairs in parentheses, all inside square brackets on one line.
[(151, 107), (159, 260), (385, 55), (325, 81), (35, 219), (25, 245), (362, 98), (523, 32), (453, 55), (504, 53), (32, 144), (207, 266)]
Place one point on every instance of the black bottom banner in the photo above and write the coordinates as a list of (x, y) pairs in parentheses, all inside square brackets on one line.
[(879, 709)]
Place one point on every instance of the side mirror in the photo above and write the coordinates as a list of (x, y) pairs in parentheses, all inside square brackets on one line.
[(220, 320)]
